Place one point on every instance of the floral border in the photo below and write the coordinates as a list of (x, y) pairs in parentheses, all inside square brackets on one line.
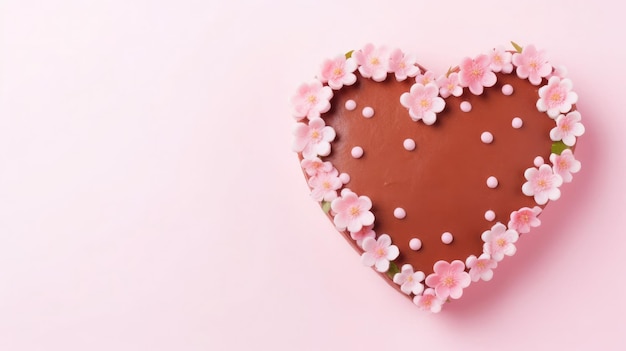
[(351, 212)]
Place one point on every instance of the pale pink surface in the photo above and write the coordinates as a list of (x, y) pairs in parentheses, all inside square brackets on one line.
[(150, 200)]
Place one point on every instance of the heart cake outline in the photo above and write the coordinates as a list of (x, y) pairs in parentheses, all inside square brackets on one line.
[(423, 102)]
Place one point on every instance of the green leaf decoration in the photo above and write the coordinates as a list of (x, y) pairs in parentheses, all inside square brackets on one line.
[(449, 72), (349, 54), (558, 147), (517, 47), (393, 269), (326, 206)]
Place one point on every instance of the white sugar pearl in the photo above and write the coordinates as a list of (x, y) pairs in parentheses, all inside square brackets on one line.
[(446, 238), (357, 152), (345, 178), (350, 105), (466, 106), (538, 161), (492, 182), (399, 213), (409, 144), (368, 112), (490, 215), (507, 89), (517, 123), (415, 244), (486, 137)]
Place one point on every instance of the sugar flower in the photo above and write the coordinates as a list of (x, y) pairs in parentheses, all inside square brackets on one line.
[(481, 267), (324, 185), (409, 281), (313, 139), (524, 218), (352, 212), (499, 241), (500, 60), (312, 166), (542, 183), (449, 279), (565, 164), (531, 64), (373, 62), (568, 127), (449, 85), (379, 252), (402, 65), (311, 100), (556, 97), (429, 301), (425, 78), (338, 72), (476, 74), (423, 102), (558, 71), (365, 232)]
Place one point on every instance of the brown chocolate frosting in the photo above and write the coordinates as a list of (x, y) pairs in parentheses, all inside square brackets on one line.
[(442, 183)]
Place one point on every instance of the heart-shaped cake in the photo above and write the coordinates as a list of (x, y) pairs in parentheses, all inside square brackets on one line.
[(433, 178)]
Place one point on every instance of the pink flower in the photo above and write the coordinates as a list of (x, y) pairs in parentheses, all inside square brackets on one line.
[(449, 85), (365, 232), (373, 62), (556, 97), (313, 139), (338, 72), (568, 127), (524, 218), (324, 185), (312, 166), (449, 279), (481, 267), (427, 77), (531, 64), (311, 100), (409, 281), (542, 183), (499, 241), (429, 301), (558, 71), (476, 74), (423, 102), (565, 164), (379, 252), (402, 65), (352, 211), (500, 60)]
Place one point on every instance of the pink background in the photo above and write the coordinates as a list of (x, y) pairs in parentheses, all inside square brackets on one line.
[(149, 199)]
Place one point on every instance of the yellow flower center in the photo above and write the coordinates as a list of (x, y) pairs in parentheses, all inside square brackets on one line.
[(448, 281), (312, 99), (375, 61), (354, 210), (315, 134), (501, 242), (338, 71), (424, 103)]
